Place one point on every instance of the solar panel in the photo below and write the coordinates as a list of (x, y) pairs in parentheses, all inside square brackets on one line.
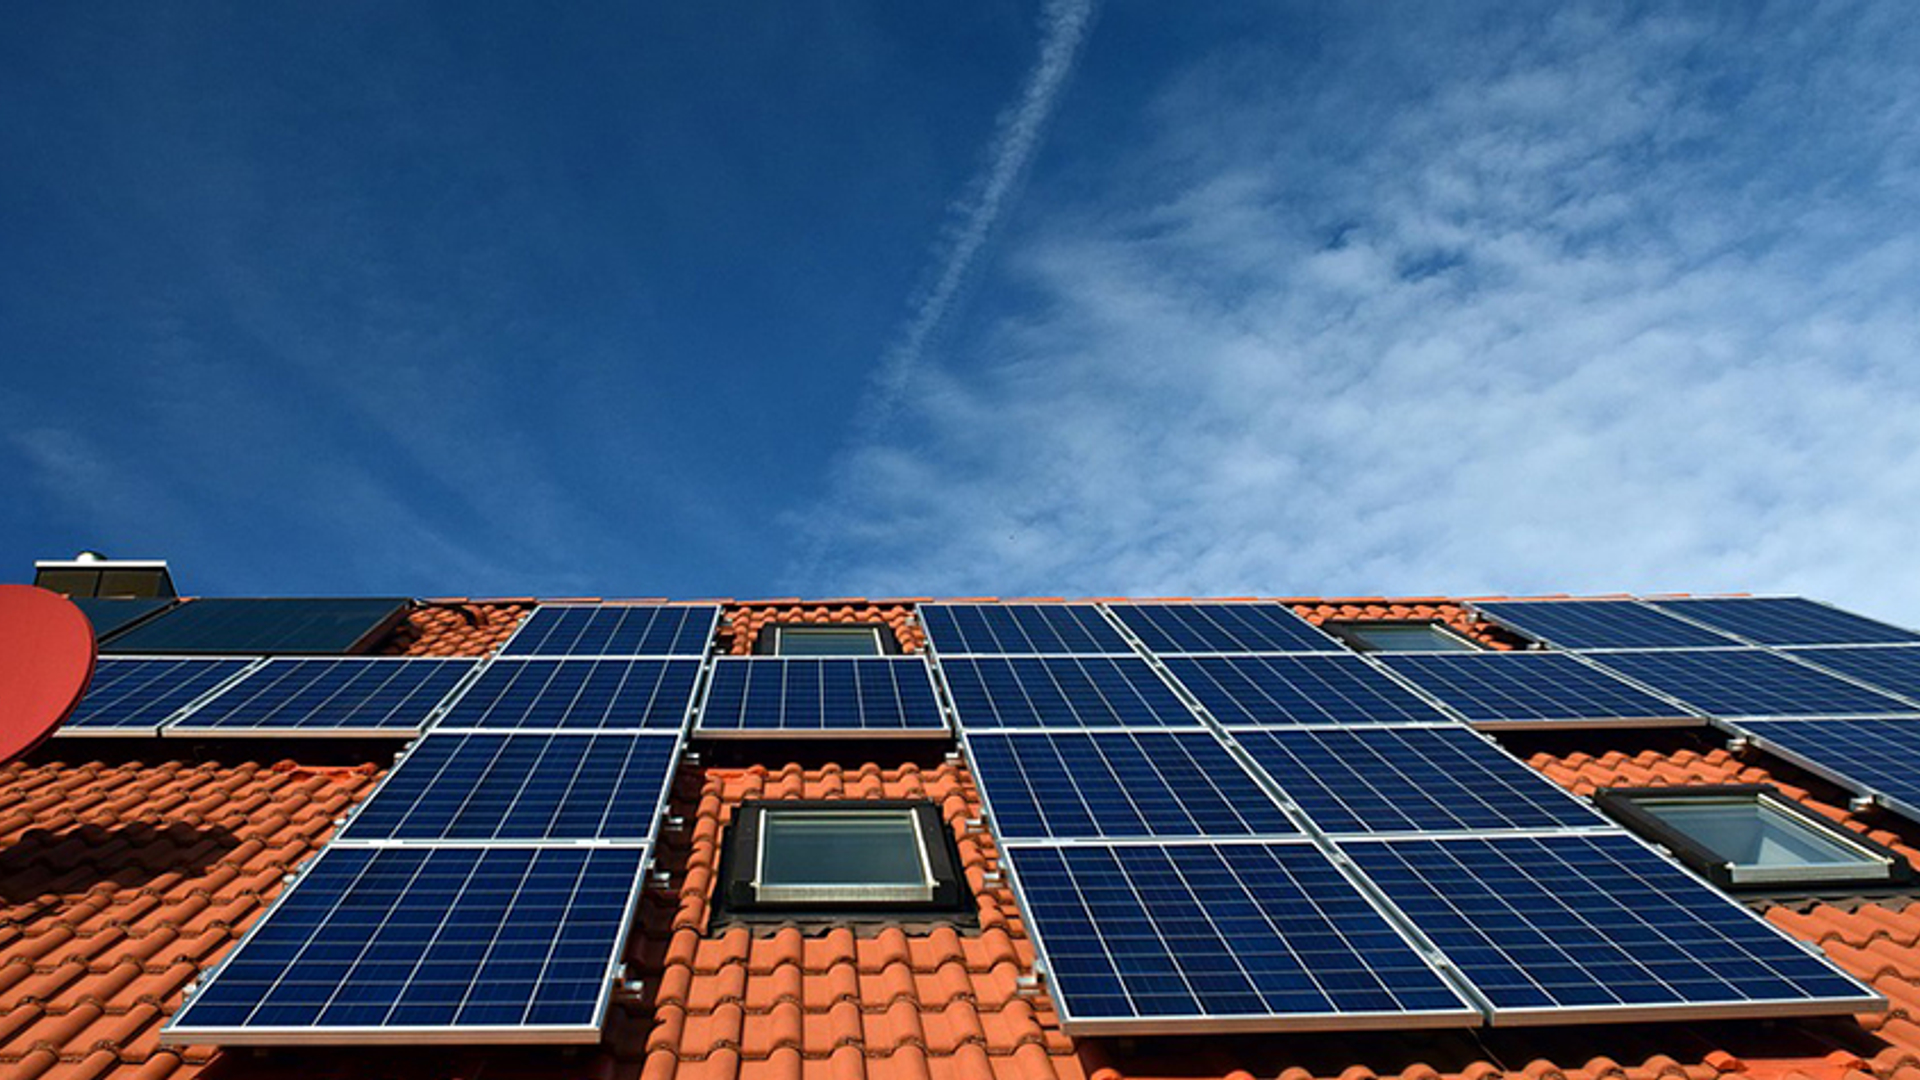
[(130, 696), (1598, 927), (1119, 784), (605, 695), (863, 696), (990, 629), (1530, 688), (1875, 756), (1219, 937), (615, 630), (1263, 690), (1411, 779), (334, 696), (1061, 691), (1787, 620), (111, 614), (1598, 624), (1222, 628), (1750, 682), (386, 944), (340, 625), (522, 787), (1895, 669)]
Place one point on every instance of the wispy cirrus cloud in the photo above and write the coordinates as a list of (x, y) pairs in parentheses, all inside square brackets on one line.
[(1589, 303)]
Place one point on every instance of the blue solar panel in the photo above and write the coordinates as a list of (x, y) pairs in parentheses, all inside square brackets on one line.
[(1299, 690), (1549, 928), (1016, 629), (868, 696), (1528, 688), (269, 625), (1788, 620), (330, 696), (1430, 779), (1222, 628), (615, 630), (111, 614), (1215, 937), (1895, 670), (487, 944), (1877, 756), (1119, 784), (134, 696), (522, 787), (1750, 682), (1598, 624), (1058, 691), (605, 695)]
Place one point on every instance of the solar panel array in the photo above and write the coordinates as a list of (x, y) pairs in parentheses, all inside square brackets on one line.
[(1531, 689), (576, 695), (1061, 692), (1869, 756), (1222, 628), (1787, 620), (261, 626), (1750, 682), (1020, 629), (1895, 669), (615, 630), (333, 696), (821, 696), (1599, 624), (1260, 691), (109, 615), (137, 695)]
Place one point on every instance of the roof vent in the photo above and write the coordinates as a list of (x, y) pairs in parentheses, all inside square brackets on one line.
[(91, 574)]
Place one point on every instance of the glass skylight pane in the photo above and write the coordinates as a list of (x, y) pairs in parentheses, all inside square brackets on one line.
[(828, 641), (1746, 831), (826, 849)]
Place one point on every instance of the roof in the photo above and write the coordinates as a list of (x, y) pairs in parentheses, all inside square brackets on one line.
[(126, 873)]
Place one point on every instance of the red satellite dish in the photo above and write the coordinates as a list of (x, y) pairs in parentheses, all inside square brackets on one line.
[(46, 661)]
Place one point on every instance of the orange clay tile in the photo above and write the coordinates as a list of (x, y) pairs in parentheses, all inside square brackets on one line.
[(454, 628), (740, 624)]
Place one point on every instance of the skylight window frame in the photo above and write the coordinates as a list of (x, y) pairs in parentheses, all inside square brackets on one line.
[(741, 896), (1878, 864), (769, 643), (1349, 632)]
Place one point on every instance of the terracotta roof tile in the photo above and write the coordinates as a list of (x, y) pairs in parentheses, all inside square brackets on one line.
[(455, 628), (741, 623)]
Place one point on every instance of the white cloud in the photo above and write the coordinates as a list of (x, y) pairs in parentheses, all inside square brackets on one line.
[(1574, 307)]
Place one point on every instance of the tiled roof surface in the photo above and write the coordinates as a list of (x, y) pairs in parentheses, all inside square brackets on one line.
[(742, 623), (122, 880), (454, 628), (1422, 610)]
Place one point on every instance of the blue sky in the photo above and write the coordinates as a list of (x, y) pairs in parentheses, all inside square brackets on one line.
[(928, 299)]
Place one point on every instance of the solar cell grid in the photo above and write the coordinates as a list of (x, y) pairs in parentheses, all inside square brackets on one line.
[(1437, 779), (1865, 755), (1895, 669), (1222, 628), (133, 695), (1528, 688), (1787, 620), (869, 695), (522, 787), (1750, 682), (1118, 784), (605, 695), (490, 944), (615, 630), (1020, 629), (1172, 937), (1550, 927), (1262, 690), (1061, 692), (318, 696), (1599, 624), (268, 625)]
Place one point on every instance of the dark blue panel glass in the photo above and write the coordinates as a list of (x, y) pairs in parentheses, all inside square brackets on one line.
[(262, 626), (1593, 921), (110, 614), (615, 630), (603, 695), (1598, 624), (1118, 784), (1749, 682), (137, 695), (1020, 628), (1895, 669), (352, 694), (1437, 779), (1788, 620), (1532, 687), (1055, 692), (1175, 933), (1880, 756), (821, 695), (1299, 690), (521, 787), (458, 938), (1222, 628)]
